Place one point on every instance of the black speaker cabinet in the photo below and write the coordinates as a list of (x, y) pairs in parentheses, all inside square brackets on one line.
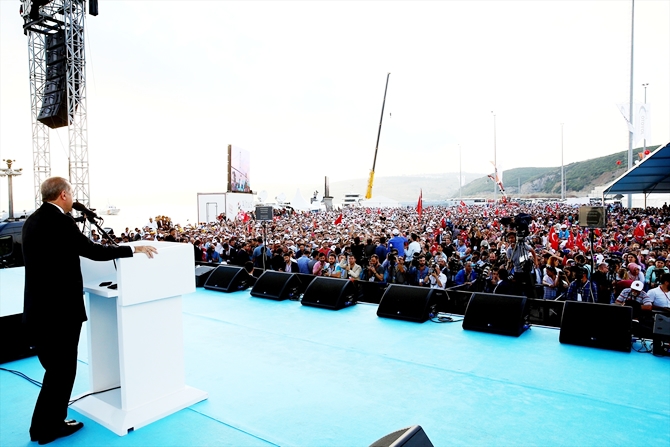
[(276, 286), (407, 437), (604, 326), (202, 273), (305, 280), (498, 314), (410, 303), (226, 278), (14, 339), (329, 293)]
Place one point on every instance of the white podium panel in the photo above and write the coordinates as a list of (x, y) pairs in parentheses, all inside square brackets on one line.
[(135, 337)]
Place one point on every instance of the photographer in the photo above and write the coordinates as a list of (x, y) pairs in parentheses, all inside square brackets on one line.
[(435, 279), (374, 272), (396, 272), (332, 269), (604, 282)]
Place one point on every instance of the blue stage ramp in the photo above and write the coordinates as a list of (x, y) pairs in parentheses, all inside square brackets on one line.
[(279, 373)]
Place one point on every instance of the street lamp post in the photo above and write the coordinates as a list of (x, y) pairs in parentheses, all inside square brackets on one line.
[(9, 173), (562, 167), (644, 150), (495, 161)]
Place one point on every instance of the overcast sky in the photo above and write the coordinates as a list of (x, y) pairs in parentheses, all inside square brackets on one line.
[(300, 86)]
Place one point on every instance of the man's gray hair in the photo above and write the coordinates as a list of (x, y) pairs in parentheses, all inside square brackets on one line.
[(52, 187)]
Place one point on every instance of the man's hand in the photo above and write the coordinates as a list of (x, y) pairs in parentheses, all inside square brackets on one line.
[(148, 250)]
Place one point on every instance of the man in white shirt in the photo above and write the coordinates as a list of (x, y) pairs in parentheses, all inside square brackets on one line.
[(414, 247), (661, 294), (436, 278)]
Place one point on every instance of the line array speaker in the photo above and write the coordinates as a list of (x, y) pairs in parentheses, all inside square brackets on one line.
[(276, 286), (410, 303), (329, 293), (226, 278), (54, 98), (597, 325), (498, 314)]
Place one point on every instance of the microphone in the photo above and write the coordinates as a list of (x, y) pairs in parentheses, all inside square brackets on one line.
[(85, 211)]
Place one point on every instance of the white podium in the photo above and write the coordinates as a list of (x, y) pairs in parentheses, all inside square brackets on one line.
[(135, 337)]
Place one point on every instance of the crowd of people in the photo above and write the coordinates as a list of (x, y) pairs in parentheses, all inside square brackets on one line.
[(540, 251)]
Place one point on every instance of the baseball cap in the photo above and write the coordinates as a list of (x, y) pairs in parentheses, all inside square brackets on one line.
[(637, 285), (395, 231)]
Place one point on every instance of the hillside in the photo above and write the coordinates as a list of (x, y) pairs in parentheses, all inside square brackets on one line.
[(580, 177)]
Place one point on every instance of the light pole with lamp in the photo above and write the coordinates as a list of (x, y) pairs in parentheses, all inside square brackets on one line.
[(9, 173), (495, 162), (644, 150)]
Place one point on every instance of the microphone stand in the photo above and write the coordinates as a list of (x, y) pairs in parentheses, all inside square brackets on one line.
[(92, 220)]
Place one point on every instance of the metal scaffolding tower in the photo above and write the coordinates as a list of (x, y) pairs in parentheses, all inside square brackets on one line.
[(53, 17)]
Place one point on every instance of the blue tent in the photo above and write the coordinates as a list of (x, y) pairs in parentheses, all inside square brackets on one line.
[(651, 175)]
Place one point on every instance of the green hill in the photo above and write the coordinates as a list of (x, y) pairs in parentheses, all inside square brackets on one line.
[(580, 177)]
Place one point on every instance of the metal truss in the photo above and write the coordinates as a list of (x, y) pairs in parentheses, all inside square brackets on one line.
[(55, 16), (41, 146)]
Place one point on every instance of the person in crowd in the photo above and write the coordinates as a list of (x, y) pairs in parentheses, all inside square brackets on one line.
[(581, 288), (414, 247), (333, 269), (418, 272), (504, 286), (604, 283), (320, 265), (398, 242), (374, 272), (303, 262), (661, 294), (352, 270), (466, 276), (654, 273), (395, 271), (435, 279), (290, 264), (635, 296), (521, 259), (550, 283), (243, 255), (261, 255), (382, 249)]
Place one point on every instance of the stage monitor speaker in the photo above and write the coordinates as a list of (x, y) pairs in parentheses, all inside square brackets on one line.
[(202, 273), (661, 337), (276, 286), (407, 437), (497, 314), (410, 303), (14, 339), (330, 293), (305, 280), (226, 278), (596, 325)]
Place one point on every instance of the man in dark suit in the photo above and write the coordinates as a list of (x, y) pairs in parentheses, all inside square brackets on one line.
[(53, 308)]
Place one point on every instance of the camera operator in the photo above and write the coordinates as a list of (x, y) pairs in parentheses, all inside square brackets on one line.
[(396, 272), (374, 272), (581, 289), (521, 259), (435, 279)]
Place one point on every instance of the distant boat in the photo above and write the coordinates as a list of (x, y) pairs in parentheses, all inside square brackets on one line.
[(352, 200), (110, 210)]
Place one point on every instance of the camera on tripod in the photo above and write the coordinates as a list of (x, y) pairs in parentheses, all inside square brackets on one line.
[(520, 223)]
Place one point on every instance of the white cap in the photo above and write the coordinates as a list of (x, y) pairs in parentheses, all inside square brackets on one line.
[(395, 231), (637, 285)]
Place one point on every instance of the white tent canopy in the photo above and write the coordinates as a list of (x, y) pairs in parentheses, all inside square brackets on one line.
[(298, 202), (380, 202)]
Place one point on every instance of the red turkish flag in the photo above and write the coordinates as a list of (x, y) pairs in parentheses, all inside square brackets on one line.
[(571, 242), (639, 232), (338, 220), (463, 203), (580, 243), (419, 206), (553, 238)]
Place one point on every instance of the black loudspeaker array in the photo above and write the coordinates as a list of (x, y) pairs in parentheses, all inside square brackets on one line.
[(277, 286), (597, 325), (410, 303), (407, 437), (54, 99), (227, 279), (498, 314), (329, 293)]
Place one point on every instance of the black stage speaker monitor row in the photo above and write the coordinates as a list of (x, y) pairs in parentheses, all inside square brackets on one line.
[(410, 303), (277, 286), (498, 314), (329, 293), (407, 437), (202, 273), (226, 278), (596, 325)]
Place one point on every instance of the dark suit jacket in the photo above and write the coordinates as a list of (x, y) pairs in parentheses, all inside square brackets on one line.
[(52, 244)]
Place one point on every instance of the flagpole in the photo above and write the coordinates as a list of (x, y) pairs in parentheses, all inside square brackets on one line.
[(495, 161), (562, 167), (630, 110), (460, 172)]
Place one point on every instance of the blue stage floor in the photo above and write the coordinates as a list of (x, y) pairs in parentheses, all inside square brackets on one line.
[(279, 373)]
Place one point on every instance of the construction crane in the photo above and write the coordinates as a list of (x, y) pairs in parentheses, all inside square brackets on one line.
[(368, 193), (57, 63)]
